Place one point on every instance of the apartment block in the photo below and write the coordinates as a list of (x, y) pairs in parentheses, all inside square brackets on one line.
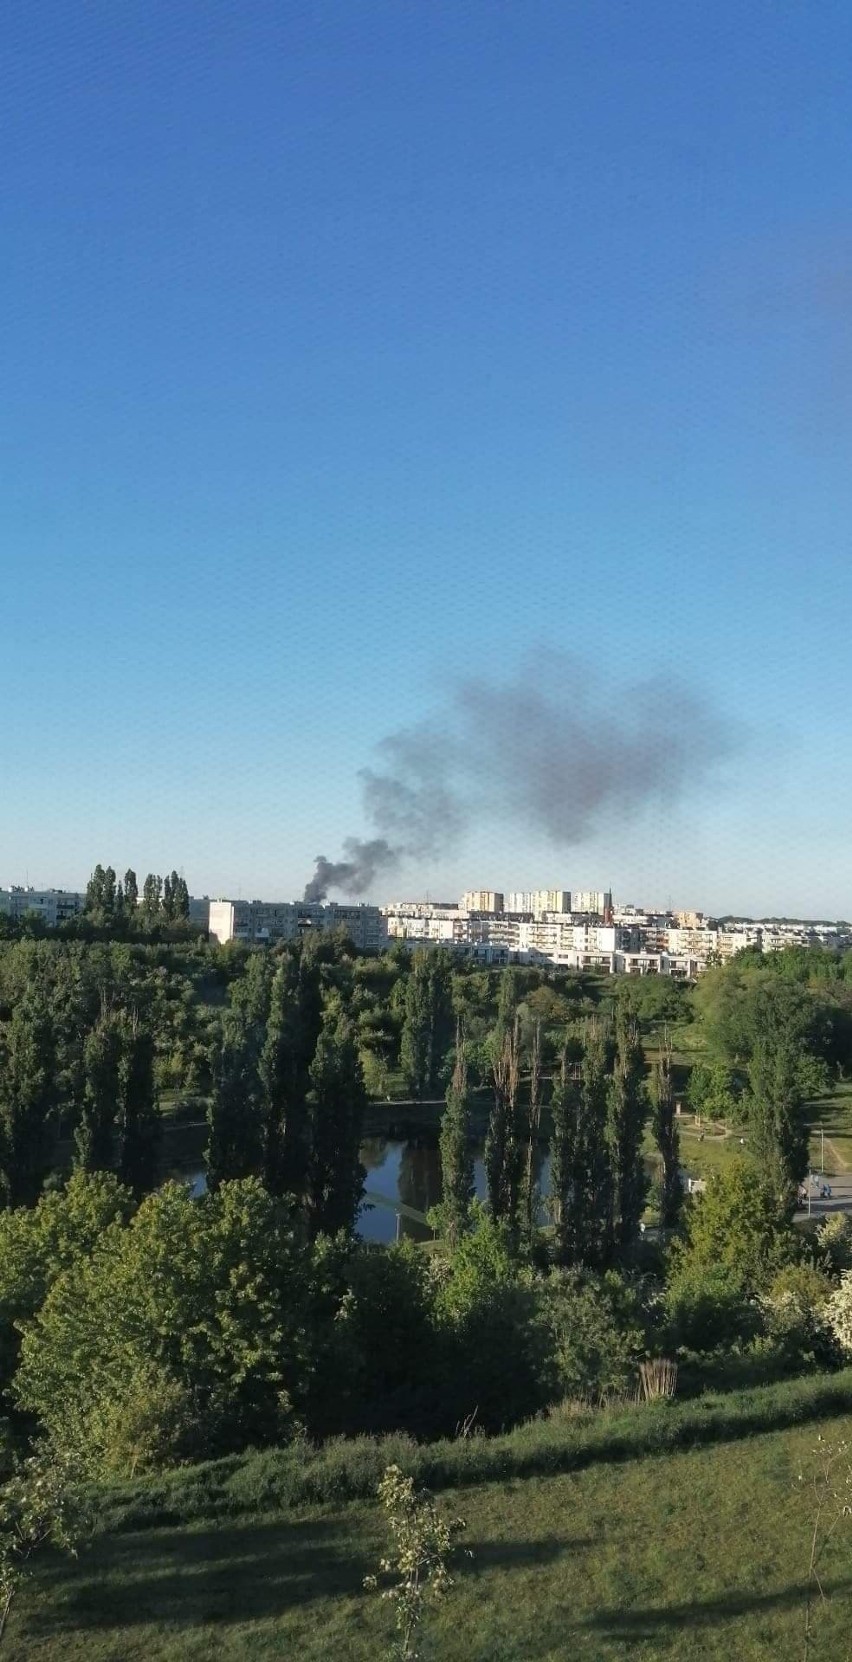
[(263, 921), (482, 900), (536, 902), (53, 906), (597, 902)]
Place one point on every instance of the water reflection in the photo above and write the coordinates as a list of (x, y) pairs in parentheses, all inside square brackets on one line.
[(406, 1174)]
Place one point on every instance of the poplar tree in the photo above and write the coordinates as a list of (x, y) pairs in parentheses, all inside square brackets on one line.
[(565, 1172), (502, 1167), (94, 1137), (778, 1132), (666, 1136), (234, 1115), (292, 1031), (427, 1023), (28, 1092), (591, 1174), (131, 891), (457, 1178), (337, 1102), (152, 891), (627, 1110), (138, 1121), (529, 1194)]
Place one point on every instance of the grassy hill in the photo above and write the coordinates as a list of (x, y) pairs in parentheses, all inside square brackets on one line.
[(670, 1531)]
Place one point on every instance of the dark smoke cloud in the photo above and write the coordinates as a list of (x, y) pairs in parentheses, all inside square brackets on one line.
[(555, 750), (364, 862)]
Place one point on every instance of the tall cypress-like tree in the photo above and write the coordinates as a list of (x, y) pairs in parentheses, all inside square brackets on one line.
[(152, 898), (502, 1151), (102, 1060), (234, 1112), (565, 1166), (592, 1189), (778, 1132), (131, 891), (292, 1032), (666, 1136), (529, 1194), (138, 1122), (337, 1102), (28, 1098), (627, 1111), (427, 1023), (457, 1178)]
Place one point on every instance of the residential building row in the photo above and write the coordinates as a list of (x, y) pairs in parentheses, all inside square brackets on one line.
[(55, 906), (580, 929)]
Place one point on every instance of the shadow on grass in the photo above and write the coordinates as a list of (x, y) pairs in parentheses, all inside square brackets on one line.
[(225, 1576), (187, 1578), (632, 1625)]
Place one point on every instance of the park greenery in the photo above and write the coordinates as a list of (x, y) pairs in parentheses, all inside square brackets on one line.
[(145, 1328)]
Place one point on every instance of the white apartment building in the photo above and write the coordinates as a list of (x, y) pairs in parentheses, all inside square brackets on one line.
[(420, 920), (536, 902), (482, 900), (53, 906), (263, 921), (597, 902)]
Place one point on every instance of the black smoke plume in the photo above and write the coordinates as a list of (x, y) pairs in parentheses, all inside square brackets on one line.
[(556, 750), (364, 862)]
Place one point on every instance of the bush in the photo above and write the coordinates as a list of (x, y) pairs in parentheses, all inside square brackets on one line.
[(839, 1313), (193, 1316), (597, 1338), (835, 1242)]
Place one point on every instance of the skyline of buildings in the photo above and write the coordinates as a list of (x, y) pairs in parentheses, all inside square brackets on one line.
[(583, 929)]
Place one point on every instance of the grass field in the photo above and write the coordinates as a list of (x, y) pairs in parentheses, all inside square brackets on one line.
[(834, 1114), (697, 1553)]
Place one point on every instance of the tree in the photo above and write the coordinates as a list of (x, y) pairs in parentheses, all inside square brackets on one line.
[(337, 1103), (738, 1228), (502, 1165), (456, 1150), (180, 897), (180, 1336), (421, 1545), (100, 901), (292, 1031), (627, 1108), (592, 1190), (778, 1132), (666, 1136), (152, 898), (427, 1024), (234, 1110), (28, 1095), (529, 1194), (39, 1508), (38, 1242), (138, 1122), (565, 1170), (131, 891), (94, 1137)]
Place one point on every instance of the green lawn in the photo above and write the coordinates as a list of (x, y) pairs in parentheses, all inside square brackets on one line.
[(695, 1554), (834, 1114)]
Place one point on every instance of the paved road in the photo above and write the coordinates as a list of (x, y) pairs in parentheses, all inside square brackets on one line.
[(840, 1200)]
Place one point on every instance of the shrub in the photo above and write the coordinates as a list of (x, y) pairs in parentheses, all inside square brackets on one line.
[(839, 1313), (199, 1302), (835, 1242), (596, 1330)]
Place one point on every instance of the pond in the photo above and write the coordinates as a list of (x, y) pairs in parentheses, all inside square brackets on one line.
[(404, 1178)]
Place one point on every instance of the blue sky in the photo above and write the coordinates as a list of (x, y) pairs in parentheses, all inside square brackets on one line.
[(350, 349)]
